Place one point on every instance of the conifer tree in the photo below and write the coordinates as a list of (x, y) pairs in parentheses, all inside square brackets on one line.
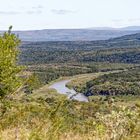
[(10, 80)]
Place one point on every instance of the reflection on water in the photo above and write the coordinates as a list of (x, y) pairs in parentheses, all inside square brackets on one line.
[(71, 93)]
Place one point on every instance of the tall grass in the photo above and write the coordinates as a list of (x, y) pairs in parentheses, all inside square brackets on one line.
[(50, 119)]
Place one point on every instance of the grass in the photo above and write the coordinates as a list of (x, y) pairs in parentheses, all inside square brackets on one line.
[(60, 119)]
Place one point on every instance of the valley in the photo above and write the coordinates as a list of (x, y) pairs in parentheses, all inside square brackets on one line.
[(70, 70), (82, 90)]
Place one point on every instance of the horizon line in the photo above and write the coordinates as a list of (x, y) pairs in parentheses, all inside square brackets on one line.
[(92, 28)]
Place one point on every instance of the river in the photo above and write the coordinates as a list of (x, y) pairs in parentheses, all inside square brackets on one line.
[(61, 88)]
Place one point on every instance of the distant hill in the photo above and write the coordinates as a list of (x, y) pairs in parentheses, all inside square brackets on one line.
[(127, 40), (132, 40), (129, 28), (128, 37), (72, 34)]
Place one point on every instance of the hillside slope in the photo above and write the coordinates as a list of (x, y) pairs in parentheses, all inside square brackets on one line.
[(125, 49), (71, 34)]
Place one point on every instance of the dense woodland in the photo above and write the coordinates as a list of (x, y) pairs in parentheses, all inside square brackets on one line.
[(62, 52), (121, 83), (51, 60)]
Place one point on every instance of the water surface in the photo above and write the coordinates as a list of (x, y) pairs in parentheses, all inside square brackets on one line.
[(71, 93)]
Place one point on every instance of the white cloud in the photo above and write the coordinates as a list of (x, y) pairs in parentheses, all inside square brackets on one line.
[(20, 12), (38, 7), (9, 12), (34, 12), (133, 19), (62, 11)]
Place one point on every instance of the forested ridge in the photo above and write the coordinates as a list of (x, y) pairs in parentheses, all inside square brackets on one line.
[(124, 50)]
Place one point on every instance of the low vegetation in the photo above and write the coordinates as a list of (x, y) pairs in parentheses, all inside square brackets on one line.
[(57, 118)]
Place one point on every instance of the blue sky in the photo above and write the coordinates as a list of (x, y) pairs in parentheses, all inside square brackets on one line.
[(55, 14)]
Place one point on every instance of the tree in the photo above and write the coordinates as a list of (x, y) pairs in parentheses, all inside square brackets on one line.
[(10, 79)]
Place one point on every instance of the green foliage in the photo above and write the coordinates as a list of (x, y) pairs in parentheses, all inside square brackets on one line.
[(32, 84), (60, 119), (49, 72), (64, 52), (9, 78), (119, 83)]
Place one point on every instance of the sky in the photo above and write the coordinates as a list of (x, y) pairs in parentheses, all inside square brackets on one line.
[(61, 14)]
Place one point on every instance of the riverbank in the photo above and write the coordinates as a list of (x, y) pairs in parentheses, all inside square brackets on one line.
[(74, 83)]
